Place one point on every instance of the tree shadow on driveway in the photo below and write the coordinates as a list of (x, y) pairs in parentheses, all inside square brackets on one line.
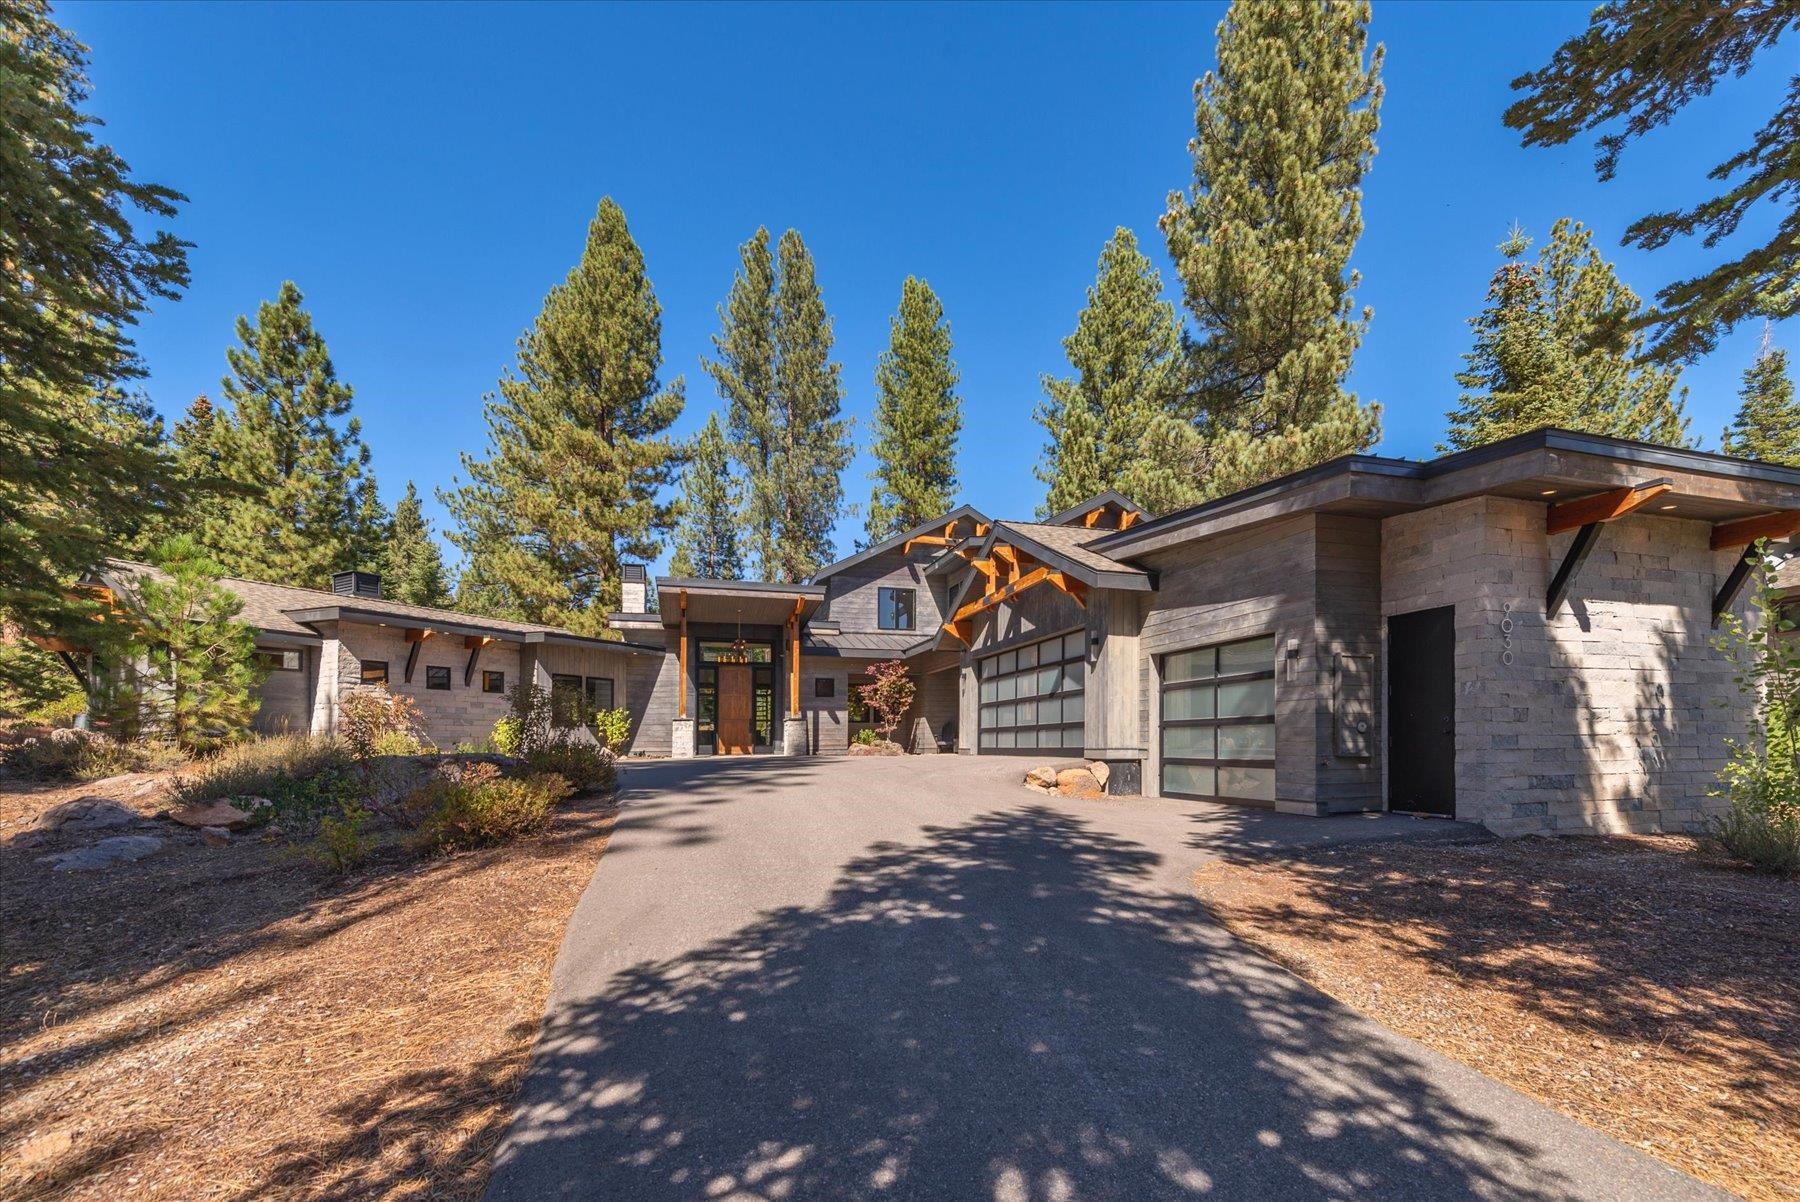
[(1007, 1011)]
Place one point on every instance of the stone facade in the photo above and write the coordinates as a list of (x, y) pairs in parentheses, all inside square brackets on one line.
[(457, 714)]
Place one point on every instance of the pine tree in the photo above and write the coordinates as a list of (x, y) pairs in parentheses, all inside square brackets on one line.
[(706, 532), (1125, 351), (1285, 131), (1519, 375), (1554, 348), (918, 416), (77, 275), (188, 672), (744, 374), (815, 438), (579, 447), (1767, 426), (297, 505), (1630, 71), (412, 566)]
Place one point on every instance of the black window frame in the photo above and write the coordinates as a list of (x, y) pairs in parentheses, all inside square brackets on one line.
[(364, 672), (886, 620), (825, 686), (588, 693), (275, 659), (436, 672), (564, 685), (1215, 762), (493, 681), (984, 673)]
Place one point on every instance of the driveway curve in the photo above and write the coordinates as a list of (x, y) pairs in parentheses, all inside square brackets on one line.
[(912, 979)]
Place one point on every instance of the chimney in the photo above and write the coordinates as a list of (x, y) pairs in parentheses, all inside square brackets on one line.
[(357, 584), (634, 582)]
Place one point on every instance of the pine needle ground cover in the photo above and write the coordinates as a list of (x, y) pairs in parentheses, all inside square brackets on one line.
[(1630, 983), (232, 1022)]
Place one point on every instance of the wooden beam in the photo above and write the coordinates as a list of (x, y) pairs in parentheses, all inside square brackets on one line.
[(58, 645), (68, 661), (681, 688), (961, 630), (1128, 519), (1780, 524), (417, 638), (1728, 592), (1604, 507), (1074, 588), (415, 634), (1091, 518), (474, 643), (1572, 560), (1031, 579), (926, 540)]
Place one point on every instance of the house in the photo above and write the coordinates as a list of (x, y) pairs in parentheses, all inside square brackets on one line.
[(318, 645), (1518, 635)]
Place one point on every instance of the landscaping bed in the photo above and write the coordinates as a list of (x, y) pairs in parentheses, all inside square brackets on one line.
[(226, 1018), (1632, 983)]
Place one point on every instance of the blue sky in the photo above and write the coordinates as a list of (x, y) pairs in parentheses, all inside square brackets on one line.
[(425, 174)]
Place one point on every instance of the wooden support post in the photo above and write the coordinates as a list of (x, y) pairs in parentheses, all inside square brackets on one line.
[(1728, 592), (474, 643), (794, 661), (681, 688), (1572, 561), (68, 661)]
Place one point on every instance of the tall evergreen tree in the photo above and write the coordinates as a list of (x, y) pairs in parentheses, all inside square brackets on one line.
[(815, 443), (1767, 426), (1126, 354), (1284, 132), (1554, 348), (744, 374), (412, 566), (77, 274), (918, 417), (579, 447), (1639, 62), (301, 501), (706, 532)]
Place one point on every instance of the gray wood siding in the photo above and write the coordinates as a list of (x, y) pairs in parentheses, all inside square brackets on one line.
[(1347, 620), (286, 697), (852, 597), (651, 683), (827, 718)]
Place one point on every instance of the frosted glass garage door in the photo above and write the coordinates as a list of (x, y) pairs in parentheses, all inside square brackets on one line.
[(1031, 696)]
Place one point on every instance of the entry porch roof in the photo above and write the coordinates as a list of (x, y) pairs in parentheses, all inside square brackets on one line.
[(754, 602)]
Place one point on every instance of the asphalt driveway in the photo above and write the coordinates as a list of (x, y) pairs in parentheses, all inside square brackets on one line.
[(912, 979)]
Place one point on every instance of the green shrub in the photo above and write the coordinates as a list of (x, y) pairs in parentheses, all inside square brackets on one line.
[(613, 728), (84, 755), (61, 711), (587, 767), (341, 844), (371, 718), (1766, 840), (305, 776), (472, 805), (505, 736), (397, 742), (867, 737)]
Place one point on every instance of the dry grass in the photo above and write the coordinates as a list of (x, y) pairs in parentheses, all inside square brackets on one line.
[(1630, 983), (216, 1023)]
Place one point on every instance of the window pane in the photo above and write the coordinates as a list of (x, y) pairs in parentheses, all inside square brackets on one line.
[(1188, 703), (1257, 655), (1028, 713), (1074, 674), (1074, 645), (1247, 699), (1009, 687), (1188, 778), (1188, 742), (1249, 784), (1028, 656), (990, 691), (1003, 715), (1072, 737), (1072, 708), (1188, 665), (987, 738), (374, 671), (1009, 661), (1247, 742), (1027, 684), (1047, 679), (437, 678), (1007, 738)]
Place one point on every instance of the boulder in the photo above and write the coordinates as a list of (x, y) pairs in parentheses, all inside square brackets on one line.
[(85, 814), (1102, 771), (1077, 782), (211, 813), (1043, 776), (876, 749), (214, 836), (120, 849)]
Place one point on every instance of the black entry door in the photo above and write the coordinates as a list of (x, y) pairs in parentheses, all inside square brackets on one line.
[(1422, 712)]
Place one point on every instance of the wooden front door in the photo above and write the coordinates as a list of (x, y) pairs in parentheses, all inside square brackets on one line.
[(734, 709)]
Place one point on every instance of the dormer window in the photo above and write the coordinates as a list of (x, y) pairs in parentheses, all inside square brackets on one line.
[(896, 608)]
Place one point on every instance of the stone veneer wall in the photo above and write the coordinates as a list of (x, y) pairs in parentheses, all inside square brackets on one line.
[(453, 715), (1608, 717)]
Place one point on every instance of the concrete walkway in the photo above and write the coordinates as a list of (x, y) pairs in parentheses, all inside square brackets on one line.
[(911, 978)]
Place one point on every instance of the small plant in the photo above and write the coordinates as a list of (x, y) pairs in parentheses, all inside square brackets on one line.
[(372, 720), (397, 742), (613, 728), (61, 711), (585, 766), (303, 776), (83, 755), (1765, 840), (1762, 776), (889, 695), (342, 845), (472, 805), (867, 738), (532, 712), (505, 736)]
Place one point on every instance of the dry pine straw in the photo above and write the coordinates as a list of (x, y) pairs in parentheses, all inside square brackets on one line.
[(229, 1023), (1627, 982)]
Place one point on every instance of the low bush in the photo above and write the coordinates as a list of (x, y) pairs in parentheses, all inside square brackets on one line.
[(304, 776), (867, 737), (1767, 840), (371, 719), (587, 767), (505, 735), (397, 742), (61, 711), (341, 845), (613, 728), (472, 805), (84, 755)]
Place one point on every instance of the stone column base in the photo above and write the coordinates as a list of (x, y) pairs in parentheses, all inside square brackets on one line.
[(793, 736), (681, 739)]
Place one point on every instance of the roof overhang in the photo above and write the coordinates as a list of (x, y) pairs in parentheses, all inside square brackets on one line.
[(751, 601), (468, 629), (931, 529)]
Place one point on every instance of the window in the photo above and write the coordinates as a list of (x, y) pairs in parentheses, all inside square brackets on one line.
[(437, 678), (599, 693), (1032, 697), (895, 608), (565, 700), (726, 653), (493, 682), (825, 686), (374, 671), (279, 661), (1218, 722)]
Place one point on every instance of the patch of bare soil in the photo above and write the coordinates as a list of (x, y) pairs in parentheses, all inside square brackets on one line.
[(1628, 982), (229, 1022)]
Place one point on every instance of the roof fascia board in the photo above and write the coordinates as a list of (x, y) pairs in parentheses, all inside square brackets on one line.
[(729, 588), (348, 613)]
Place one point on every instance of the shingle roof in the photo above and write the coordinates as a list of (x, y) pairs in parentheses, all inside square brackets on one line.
[(1070, 542)]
